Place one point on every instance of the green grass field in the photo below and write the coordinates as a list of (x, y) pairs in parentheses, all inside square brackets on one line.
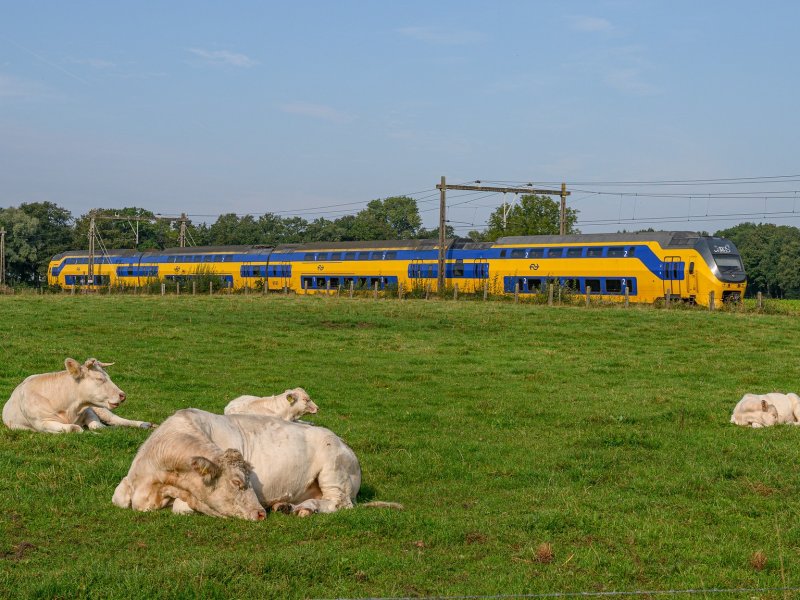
[(536, 449)]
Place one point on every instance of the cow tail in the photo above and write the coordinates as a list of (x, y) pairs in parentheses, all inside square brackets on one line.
[(376, 504)]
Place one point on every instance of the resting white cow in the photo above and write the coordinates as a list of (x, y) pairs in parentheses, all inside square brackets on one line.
[(290, 405), (82, 396), (291, 466), (764, 410)]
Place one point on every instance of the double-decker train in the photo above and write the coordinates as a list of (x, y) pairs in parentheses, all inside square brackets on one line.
[(642, 266)]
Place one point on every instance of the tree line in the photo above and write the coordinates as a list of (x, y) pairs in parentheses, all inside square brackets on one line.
[(37, 231)]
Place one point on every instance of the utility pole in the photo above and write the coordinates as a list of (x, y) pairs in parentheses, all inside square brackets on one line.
[(442, 226), (2, 256), (182, 236), (562, 221), (90, 270)]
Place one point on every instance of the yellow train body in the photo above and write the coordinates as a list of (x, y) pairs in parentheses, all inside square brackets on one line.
[(642, 267)]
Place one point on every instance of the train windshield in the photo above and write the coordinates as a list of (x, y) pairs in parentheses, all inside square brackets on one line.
[(728, 261)]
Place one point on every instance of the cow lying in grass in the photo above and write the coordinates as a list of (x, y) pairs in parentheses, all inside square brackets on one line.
[(290, 405), (764, 410), (232, 465), (81, 396)]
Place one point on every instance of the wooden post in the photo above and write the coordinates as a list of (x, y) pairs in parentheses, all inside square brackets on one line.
[(550, 294), (73, 289), (210, 288), (759, 301), (327, 287), (286, 290), (246, 288), (516, 292), (399, 291), (667, 298), (455, 292), (194, 287), (163, 288), (559, 295), (485, 289), (352, 286), (711, 300), (376, 290), (427, 290), (627, 297), (177, 288), (588, 294)]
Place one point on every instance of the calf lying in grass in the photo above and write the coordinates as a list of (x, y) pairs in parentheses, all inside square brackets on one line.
[(290, 405), (765, 410)]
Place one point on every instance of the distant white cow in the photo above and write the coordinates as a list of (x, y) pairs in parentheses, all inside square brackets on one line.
[(296, 467), (81, 396), (764, 410), (290, 405)]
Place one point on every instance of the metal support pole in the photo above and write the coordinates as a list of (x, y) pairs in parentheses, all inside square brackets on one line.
[(2, 256), (442, 229), (562, 227), (90, 268)]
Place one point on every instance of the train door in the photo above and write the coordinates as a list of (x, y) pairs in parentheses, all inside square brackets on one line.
[(673, 273), (480, 273), (691, 281)]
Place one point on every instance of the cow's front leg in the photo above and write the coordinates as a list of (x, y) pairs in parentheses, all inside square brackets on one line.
[(52, 426), (106, 416), (179, 507), (89, 418)]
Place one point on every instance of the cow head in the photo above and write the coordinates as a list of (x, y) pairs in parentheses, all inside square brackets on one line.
[(767, 417), (221, 487), (94, 385), (300, 403)]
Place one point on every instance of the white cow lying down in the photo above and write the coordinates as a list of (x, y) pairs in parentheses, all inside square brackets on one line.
[(290, 405), (82, 396), (232, 465), (764, 410)]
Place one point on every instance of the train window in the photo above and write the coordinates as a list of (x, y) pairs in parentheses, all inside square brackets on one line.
[(391, 255), (691, 268), (458, 268), (616, 252), (307, 282), (502, 253), (571, 284), (309, 256), (594, 251), (594, 284), (518, 253), (334, 282), (349, 255), (536, 253), (573, 252), (613, 286), (631, 251)]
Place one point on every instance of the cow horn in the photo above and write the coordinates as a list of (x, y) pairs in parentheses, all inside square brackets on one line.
[(102, 364)]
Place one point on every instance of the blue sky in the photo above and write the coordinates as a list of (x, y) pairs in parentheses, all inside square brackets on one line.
[(243, 107)]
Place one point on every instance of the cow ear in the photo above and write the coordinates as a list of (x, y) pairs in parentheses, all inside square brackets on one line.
[(207, 469), (763, 405), (74, 367), (291, 399)]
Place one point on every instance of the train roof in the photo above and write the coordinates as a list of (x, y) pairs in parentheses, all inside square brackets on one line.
[(368, 245), (664, 238)]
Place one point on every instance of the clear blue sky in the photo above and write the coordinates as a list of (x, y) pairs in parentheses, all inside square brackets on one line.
[(254, 107)]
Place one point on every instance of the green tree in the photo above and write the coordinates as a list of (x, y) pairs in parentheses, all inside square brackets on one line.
[(396, 217), (22, 257), (533, 215), (53, 232)]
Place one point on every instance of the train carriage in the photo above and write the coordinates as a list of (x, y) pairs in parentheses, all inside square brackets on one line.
[(642, 266)]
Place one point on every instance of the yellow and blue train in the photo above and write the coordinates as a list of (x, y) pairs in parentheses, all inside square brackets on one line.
[(643, 266)]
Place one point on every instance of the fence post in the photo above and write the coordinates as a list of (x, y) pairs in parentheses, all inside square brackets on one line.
[(667, 298), (210, 288), (327, 286), (427, 290), (588, 294), (455, 292), (73, 289), (627, 297), (163, 288), (399, 291), (352, 287), (759, 301), (516, 292), (550, 294), (286, 290), (376, 290), (194, 288), (485, 289), (711, 300)]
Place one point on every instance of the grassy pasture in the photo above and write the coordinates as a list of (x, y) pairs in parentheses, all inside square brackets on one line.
[(536, 449)]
